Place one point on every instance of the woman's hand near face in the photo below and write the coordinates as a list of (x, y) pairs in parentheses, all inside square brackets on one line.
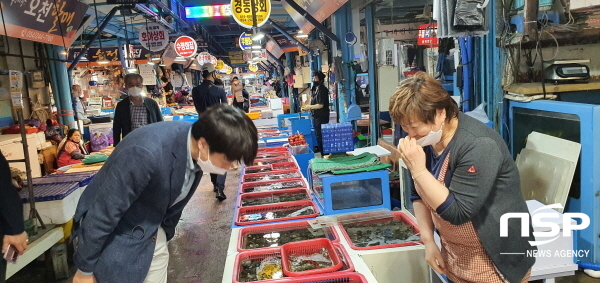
[(412, 154)]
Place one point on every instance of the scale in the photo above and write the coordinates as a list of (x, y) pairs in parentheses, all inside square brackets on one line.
[(567, 71)]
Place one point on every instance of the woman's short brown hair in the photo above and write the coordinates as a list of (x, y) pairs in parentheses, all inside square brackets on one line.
[(417, 98)]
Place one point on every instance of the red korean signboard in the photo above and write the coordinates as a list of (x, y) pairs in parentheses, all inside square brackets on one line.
[(185, 46), (427, 35), (47, 21)]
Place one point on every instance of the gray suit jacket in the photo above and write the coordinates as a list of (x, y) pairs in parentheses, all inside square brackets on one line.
[(119, 213)]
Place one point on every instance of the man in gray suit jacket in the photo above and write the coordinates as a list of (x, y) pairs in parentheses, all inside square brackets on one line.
[(130, 210)]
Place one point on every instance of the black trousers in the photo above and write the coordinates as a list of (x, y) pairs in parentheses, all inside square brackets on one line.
[(317, 122), (239, 105), (218, 181), (2, 270)]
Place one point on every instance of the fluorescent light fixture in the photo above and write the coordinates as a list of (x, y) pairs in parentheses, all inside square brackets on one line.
[(156, 59), (150, 63), (256, 51), (302, 36), (193, 64), (132, 70), (162, 65), (256, 46), (103, 62), (180, 59), (64, 53), (258, 36)]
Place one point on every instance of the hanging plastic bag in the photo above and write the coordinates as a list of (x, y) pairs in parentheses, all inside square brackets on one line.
[(469, 15), (479, 113)]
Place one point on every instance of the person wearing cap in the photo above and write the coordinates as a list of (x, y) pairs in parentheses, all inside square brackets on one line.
[(319, 106), (206, 95)]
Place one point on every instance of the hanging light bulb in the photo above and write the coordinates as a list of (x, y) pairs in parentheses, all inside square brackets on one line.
[(301, 34)]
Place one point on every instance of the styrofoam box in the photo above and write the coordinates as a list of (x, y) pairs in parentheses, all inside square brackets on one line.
[(56, 211)]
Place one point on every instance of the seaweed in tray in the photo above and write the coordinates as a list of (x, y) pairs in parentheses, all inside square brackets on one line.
[(381, 233), (270, 177), (278, 238), (277, 214), (274, 186), (274, 199)]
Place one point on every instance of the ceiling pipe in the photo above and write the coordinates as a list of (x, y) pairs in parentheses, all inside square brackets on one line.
[(312, 20), (109, 16), (288, 36)]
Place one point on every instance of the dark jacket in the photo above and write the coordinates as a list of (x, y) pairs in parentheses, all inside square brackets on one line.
[(11, 207), (320, 95), (122, 120), (483, 197), (119, 213), (206, 95)]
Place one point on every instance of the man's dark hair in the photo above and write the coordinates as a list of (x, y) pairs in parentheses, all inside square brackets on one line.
[(206, 73), (320, 75), (131, 77), (219, 82), (235, 78), (164, 79), (229, 131)]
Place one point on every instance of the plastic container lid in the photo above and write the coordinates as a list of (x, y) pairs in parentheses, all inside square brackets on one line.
[(49, 192)]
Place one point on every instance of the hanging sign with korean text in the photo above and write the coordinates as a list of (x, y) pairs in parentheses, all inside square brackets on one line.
[(242, 12), (126, 2), (253, 67), (154, 37), (203, 57), (47, 21), (427, 35), (245, 41), (185, 46)]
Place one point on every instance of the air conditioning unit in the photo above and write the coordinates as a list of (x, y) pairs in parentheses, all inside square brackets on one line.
[(386, 53)]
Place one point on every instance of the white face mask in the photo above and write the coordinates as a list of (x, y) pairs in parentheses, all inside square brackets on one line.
[(135, 91), (431, 138), (208, 167)]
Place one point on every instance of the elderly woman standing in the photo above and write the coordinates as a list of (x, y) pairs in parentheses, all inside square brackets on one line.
[(464, 180)]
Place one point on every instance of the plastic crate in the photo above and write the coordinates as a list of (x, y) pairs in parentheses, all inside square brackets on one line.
[(272, 176), (272, 197), (396, 216), (284, 166), (264, 213), (257, 169), (275, 154), (272, 186), (273, 149), (260, 254), (307, 248), (280, 228), (269, 161), (336, 277)]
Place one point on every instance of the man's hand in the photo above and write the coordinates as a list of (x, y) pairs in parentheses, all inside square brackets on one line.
[(82, 278), (18, 241)]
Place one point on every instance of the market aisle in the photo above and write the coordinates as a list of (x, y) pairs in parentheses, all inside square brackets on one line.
[(199, 247)]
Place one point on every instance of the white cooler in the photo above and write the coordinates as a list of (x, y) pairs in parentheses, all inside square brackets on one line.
[(56, 203)]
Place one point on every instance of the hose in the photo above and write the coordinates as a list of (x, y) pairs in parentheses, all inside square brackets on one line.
[(591, 269)]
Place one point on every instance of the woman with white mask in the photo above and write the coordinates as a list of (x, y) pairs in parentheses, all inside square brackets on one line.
[(464, 181), (136, 110)]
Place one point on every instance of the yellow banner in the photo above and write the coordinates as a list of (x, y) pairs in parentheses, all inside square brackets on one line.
[(242, 12)]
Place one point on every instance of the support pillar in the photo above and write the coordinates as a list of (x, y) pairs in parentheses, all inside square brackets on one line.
[(343, 24), (374, 96), (61, 87)]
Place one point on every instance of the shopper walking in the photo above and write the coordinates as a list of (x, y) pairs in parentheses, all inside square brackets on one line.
[(130, 210), (465, 179), (205, 96), (12, 230), (319, 106), (237, 91), (134, 111)]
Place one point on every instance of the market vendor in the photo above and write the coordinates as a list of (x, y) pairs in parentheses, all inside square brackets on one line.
[(70, 149), (319, 106), (464, 181)]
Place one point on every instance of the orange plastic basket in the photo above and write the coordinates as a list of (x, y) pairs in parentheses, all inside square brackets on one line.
[(308, 248)]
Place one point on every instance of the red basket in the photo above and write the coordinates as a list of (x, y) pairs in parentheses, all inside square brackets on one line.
[(336, 277), (273, 149), (273, 195), (256, 187), (261, 254), (254, 256), (275, 154), (397, 216), (281, 228), (307, 248), (257, 214), (272, 176), (284, 166), (257, 169), (269, 161)]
